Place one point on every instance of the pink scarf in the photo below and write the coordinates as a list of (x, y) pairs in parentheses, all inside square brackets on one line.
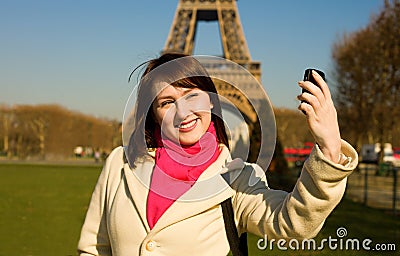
[(177, 169)]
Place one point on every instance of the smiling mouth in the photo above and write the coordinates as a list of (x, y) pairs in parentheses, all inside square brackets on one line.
[(187, 125)]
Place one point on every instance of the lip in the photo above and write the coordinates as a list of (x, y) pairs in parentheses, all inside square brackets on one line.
[(188, 126)]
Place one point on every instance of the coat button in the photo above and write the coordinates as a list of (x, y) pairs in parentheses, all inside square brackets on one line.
[(150, 246)]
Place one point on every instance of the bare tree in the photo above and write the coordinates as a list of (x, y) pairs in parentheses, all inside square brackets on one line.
[(6, 120), (367, 72)]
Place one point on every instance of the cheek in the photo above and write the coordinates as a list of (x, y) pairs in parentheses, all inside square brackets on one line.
[(203, 104), (164, 117), (157, 115)]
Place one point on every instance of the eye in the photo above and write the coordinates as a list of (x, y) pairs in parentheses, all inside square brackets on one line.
[(166, 103), (192, 95)]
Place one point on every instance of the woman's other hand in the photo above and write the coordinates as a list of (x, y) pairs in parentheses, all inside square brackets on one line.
[(321, 115)]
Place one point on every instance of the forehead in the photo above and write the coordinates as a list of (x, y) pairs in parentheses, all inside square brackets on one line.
[(167, 90)]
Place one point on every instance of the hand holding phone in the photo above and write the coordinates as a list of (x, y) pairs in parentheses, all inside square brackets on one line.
[(321, 116)]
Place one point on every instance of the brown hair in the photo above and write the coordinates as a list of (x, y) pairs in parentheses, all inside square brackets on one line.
[(186, 72)]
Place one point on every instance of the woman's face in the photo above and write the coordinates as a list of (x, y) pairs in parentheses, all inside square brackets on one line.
[(184, 114)]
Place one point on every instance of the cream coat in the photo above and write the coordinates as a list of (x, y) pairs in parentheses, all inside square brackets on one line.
[(116, 222)]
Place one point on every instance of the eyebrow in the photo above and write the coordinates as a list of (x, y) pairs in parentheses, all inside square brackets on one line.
[(185, 92), (164, 97)]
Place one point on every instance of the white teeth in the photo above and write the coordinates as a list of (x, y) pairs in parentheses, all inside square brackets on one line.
[(188, 125)]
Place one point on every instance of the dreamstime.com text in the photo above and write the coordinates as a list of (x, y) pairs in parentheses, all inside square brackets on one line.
[(340, 242)]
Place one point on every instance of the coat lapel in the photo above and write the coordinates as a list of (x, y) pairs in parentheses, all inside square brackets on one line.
[(139, 183)]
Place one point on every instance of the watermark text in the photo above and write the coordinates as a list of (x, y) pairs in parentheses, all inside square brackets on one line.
[(340, 242)]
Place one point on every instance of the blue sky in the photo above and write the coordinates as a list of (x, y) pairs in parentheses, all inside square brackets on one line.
[(79, 53)]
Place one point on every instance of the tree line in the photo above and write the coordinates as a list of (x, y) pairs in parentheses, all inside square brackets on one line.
[(51, 132)]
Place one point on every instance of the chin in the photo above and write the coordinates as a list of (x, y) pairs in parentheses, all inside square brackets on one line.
[(187, 143)]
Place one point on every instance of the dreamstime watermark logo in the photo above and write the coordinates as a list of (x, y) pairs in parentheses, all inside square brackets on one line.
[(340, 242)]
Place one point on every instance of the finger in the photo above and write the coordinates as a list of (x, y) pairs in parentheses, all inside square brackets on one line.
[(310, 99), (322, 84), (307, 109), (312, 89)]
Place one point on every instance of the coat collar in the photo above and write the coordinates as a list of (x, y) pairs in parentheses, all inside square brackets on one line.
[(209, 190)]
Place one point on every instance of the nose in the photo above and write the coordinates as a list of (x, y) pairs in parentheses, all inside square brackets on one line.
[(182, 110)]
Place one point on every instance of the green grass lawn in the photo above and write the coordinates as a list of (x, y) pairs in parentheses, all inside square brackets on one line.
[(42, 208)]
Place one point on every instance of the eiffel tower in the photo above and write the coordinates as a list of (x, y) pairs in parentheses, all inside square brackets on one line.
[(190, 12), (181, 40)]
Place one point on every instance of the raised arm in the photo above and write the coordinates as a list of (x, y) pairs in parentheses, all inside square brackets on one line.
[(301, 213)]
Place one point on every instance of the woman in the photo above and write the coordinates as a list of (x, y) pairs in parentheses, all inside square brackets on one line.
[(163, 193)]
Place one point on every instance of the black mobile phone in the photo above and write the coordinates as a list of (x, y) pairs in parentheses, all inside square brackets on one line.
[(309, 77)]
